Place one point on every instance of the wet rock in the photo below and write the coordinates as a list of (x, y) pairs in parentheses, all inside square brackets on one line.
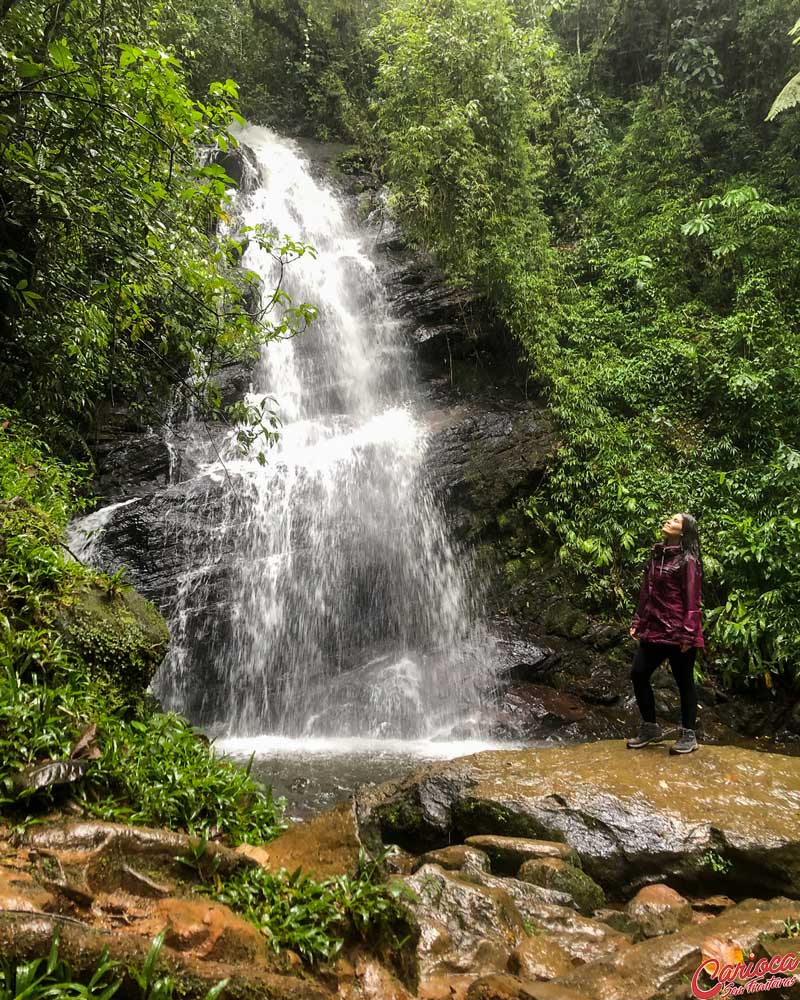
[(325, 845), (584, 939), (207, 930), (653, 968), (258, 854), (73, 894), (508, 853), (539, 711), (540, 957), (657, 910), (632, 818), (500, 987), (557, 874), (369, 980), (456, 858), (139, 884), (400, 862), (564, 619), (527, 897), (482, 457), (133, 465), (101, 855), (19, 891), (118, 633), (618, 920), (713, 904), (464, 927), (28, 936), (241, 165)]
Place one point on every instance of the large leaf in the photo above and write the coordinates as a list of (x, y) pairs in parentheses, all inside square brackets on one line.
[(789, 97), (48, 773)]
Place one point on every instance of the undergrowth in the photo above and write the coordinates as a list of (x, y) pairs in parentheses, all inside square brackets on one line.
[(51, 977), (314, 918)]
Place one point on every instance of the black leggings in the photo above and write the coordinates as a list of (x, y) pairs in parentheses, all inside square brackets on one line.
[(650, 656)]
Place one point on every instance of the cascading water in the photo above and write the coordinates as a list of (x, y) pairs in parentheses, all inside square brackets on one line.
[(349, 613)]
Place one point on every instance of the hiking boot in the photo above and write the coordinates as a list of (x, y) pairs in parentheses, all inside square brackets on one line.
[(685, 742), (649, 732)]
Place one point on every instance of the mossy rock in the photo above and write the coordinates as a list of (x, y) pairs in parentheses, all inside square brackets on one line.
[(562, 618), (116, 632), (554, 873)]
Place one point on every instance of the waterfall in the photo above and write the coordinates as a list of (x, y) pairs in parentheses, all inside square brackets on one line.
[(348, 612)]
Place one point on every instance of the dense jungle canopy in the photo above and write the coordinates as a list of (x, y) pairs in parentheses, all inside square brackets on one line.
[(603, 171)]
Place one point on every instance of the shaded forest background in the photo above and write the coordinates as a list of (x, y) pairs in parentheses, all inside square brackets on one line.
[(601, 170)]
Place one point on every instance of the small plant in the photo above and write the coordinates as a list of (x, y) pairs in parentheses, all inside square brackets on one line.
[(51, 977), (791, 928), (715, 861), (314, 918), (196, 856)]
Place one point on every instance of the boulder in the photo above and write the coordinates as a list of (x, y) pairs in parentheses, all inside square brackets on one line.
[(205, 930), (116, 632), (455, 858), (584, 939), (658, 910), (463, 927), (367, 979), (526, 896), (508, 853), (500, 987), (633, 818), (323, 846), (656, 967), (540, 957), (557, 874)]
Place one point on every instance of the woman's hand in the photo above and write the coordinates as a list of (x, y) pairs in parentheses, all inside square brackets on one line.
[(632, 632), (685, 647)]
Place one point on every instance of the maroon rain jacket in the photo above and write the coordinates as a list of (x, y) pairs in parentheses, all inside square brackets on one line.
[(669, 601)]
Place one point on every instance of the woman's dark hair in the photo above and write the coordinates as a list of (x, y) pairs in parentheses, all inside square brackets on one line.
[(690, 541)]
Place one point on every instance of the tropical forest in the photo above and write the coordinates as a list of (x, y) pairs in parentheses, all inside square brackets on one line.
[(399, 499)]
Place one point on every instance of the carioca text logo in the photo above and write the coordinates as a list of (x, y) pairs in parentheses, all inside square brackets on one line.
[(746, 977)]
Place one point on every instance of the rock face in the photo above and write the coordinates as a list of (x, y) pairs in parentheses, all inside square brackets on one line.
[(727, 819), (464, 927)]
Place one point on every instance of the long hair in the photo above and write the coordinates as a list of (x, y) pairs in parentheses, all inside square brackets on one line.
[(690, 541)]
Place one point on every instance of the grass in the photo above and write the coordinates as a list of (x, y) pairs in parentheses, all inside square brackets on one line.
[(314, 918), (50, 977)]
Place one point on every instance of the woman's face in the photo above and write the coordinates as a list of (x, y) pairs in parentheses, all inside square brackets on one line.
[(673, 528)]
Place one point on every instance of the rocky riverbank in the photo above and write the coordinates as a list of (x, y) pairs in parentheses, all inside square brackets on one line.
[(588, 872)]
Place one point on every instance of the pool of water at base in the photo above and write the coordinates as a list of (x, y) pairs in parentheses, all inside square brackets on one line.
[(314, 774)]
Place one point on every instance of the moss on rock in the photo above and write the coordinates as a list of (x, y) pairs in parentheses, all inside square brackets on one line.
[(555, 873), (116, 632)]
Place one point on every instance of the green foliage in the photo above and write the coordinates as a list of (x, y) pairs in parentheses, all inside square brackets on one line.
[(460, 89), (115, 280), (56, 681), (791, 928), (715, 861), (634, 225), (309, 66), (314, 918), (44, 978), (789, 97), (152, 769)]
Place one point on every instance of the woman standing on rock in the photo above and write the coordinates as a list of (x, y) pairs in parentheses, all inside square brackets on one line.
[(667, 625)]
